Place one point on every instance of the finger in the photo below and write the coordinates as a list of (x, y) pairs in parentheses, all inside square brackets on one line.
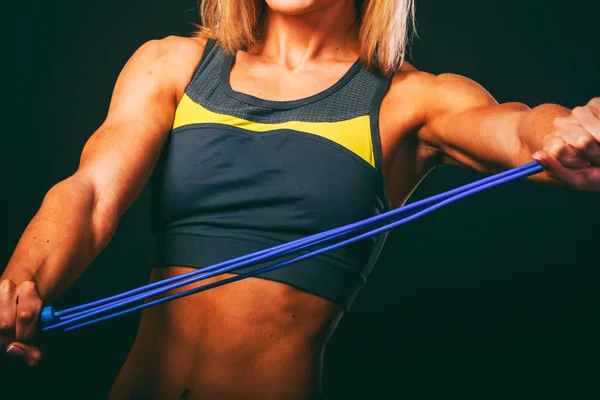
[(591, 178), (554, 169), (589, 120), (30, 354), (561, 151), (586, 145), (29, 306), (8, 309), (595, 104)]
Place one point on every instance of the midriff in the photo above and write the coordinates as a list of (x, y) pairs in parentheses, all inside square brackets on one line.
[(254, 338)]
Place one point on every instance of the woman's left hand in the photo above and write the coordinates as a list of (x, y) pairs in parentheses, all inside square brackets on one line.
[(571, 153)]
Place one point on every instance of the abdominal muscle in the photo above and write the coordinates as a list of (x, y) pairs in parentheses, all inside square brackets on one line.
[(252, 339)]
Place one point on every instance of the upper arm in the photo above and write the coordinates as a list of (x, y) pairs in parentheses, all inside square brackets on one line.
[(119, 157), (468, 126)]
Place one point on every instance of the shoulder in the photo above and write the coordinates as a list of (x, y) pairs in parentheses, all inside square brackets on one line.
[(429, 92), (169, 61), (415, 98), (173, 47), (404, 103)]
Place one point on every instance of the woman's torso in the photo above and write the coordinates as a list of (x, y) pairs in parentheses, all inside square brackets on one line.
[(256, 338), (251, 339)]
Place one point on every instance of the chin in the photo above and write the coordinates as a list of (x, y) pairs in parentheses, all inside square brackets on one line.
[(297, 7)]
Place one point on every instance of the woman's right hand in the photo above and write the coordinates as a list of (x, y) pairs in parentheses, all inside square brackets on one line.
[(20, 307)]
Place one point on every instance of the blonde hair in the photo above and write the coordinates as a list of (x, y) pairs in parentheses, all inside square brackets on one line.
[(384, 28)]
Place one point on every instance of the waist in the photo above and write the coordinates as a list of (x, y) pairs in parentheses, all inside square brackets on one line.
[(334, 276), (249, 318), (251, 334)]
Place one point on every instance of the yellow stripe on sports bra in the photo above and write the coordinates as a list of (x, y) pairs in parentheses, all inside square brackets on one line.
[(353, 134)]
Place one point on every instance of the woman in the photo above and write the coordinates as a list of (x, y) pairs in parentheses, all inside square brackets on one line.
[(287, 136)]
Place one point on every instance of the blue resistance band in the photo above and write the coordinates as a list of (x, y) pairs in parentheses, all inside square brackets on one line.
[(113, 306)]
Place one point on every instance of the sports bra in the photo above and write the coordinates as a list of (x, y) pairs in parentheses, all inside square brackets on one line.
[(239, 174)]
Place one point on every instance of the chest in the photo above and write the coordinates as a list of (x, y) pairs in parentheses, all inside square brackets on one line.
[(276, 83), (251, 140), (232, 178)]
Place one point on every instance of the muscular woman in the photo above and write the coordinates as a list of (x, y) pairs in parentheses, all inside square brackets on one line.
[(280, 119)]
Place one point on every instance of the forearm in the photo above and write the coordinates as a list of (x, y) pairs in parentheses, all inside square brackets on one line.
[(497, 137), (536, 124), (469, 128), (65, 235)]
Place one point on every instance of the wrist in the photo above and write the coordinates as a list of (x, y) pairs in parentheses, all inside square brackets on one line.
[(19, 275)]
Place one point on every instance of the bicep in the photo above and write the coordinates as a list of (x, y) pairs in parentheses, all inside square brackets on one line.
[(117, 161), (120, 156), (467, 124)]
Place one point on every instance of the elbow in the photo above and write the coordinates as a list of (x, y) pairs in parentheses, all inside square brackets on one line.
[(104, 218), (90, 205)]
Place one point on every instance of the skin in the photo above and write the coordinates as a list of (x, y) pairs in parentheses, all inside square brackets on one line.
[(257, 338)]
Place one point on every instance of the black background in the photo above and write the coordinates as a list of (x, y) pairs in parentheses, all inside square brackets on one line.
[(494, 297)]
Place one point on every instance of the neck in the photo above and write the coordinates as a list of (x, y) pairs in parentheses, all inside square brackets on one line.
[(327, 33)]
